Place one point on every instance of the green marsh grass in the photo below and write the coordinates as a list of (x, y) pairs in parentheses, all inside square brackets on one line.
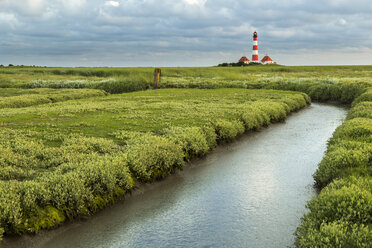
[(102, 138), (71, 158)]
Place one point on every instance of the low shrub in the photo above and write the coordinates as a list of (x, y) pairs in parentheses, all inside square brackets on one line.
[(350, 202), (339, 216), (110, 85), (10, 206), (83, 168), (60, 84), (361, 110), (254, 119), (47, 97), (192, 140), (320, 92), (69, 194), (359, 129), (87, 145), (210, 136), (337, 160), (153, 157), (122, 85), (276, 111), (336, 143), (364, 183), (365, 97), (102, 174), (336, 234), (350, 90), (32, 195), (43, 218), (294, 104), (228, 130)]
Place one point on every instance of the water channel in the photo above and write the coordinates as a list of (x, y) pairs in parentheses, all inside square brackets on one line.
[(250, 193)]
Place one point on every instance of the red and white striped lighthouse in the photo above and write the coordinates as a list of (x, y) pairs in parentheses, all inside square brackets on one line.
[(255, 49)]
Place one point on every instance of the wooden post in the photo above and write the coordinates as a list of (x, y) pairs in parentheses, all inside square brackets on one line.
[(157, 75)]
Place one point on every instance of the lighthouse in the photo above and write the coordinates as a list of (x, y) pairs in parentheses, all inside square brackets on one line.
[(255, 49)]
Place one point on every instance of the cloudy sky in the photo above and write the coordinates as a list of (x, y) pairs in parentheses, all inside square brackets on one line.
[(183, 32)]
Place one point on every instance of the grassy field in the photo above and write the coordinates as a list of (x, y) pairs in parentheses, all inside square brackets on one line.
[(65, 159), (70, 143), (15, 98), (315, 80)]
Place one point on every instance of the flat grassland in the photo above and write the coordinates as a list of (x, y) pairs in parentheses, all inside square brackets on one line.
[(73, 141)]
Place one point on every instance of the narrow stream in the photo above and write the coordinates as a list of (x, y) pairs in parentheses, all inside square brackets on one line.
[(251, 193)]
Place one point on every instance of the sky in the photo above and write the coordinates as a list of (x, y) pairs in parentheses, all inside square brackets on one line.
[(151, 33)]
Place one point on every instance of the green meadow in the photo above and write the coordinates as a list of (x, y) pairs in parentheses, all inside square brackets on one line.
[(74, 140)]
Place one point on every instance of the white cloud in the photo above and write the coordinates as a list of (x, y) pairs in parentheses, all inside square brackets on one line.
[(112, 3), (342, 21), (26, 7), (114, 20), (35, 6), (73, 6), (8, 19), (282, 33), (196, 2)]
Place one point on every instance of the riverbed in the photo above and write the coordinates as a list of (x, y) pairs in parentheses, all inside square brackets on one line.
[(250, 193)]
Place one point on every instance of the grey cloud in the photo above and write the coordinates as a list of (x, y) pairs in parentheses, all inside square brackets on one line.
[(67, 32)]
